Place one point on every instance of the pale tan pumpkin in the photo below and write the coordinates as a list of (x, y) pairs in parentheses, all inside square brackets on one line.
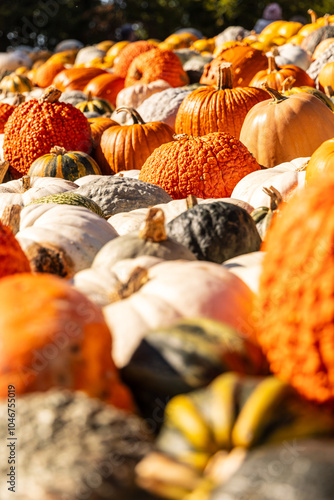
[(134, 95)]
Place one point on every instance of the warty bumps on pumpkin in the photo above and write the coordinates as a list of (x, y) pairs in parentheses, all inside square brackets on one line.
[(36, 125), (209, 166)]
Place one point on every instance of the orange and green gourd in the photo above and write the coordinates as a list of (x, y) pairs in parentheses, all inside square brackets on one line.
[(12, 258), (207, 167), (37, 125), (295, 313)]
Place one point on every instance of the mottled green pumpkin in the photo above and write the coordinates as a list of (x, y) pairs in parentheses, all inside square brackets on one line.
[(95, 105), (70, 198), (68, 165)]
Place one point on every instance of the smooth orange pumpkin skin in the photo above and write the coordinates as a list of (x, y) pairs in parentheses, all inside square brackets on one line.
[(98, 125), (295, 325), (275, 75), (209, 166), (44, 74), (321, 161), (326, 75), (53, 336), (12, 258), (76, 78), (106, 86)]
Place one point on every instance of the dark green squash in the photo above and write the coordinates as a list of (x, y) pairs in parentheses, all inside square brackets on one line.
[(95, 105), (215, 232), (68, 165)]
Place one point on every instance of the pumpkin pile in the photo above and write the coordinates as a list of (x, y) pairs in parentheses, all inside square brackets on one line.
[(166, 265)]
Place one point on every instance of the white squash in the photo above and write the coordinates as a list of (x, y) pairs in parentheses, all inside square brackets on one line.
[(134, 95), (247, 267)]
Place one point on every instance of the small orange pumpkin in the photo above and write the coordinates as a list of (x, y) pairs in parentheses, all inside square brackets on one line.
[(321, 161)]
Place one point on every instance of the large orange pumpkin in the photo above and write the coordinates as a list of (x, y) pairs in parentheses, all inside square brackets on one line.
[(217, 109), (106, 86), (208, 166), (75, 78), (53, 336), (44, 74), (296, 295), (128, 54)]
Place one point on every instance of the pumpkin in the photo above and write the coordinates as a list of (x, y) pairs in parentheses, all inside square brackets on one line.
[(326, 75), (120, 194), (98, 125), (247, 267), (215, 231), (88, 55), (15, 83), (231, 33), (5, 111), (263, 216), (246, 61), (44, 74), (105, 86), (316, 66), (126, 147), (203, 166), (100, 106), (63, 340), (68, 165), (291, 54), (217, 109), (172, 290), (9, 61), (68, 44), (22, 191), (157, 64), (12, 258), (114, 442), (297, 338), (75, 78), (312, 40), (71, 198), (186, 356), (285, 177), (281, 140), (237, 411), (289, 89), (29, 131), (274, 76), (73, 97), (62, 239), (321, 161), (194, 66), (133, 96), (128, 54), (322, 47)]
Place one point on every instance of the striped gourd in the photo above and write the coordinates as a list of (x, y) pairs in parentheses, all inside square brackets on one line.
[(95, 104), (68, 165), (15, 83), (71, 198), (288, 89)]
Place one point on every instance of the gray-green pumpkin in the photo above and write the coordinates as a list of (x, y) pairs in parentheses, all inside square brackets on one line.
[(71, 198)]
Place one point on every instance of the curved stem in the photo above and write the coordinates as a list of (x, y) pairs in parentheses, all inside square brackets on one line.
[(25, 181), (275, 197), (154, 226), (137, 119), (272, 66), (51, 94), (225, 76), (287, 84), (313, 15), (277, 97)]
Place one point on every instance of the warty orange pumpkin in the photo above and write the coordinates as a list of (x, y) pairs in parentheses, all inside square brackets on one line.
[(12, 258), (208, 166), (128, 54)]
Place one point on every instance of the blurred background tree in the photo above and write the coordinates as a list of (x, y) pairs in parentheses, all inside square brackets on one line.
[(44, 23)]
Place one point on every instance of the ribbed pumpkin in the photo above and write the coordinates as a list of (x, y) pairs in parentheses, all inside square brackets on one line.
[(44, 74), (326, 75), (54, 336), (98, 125), (37, 125), (106, 86), (12, 258), (321, 161), (126, 147), (128, 54), (217, 109), (15, 83), (75, 78), (207, 167), (296, 296), (68, 165), (295, 126), (5, 111), (157, 64), (274, 75), (95, 104), (246, 60)]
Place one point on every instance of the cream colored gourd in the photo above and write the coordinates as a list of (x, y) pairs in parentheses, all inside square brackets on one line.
[(134, 95), (247, 267), (286, 177)]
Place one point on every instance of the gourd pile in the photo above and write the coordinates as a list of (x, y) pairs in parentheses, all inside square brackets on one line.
[(167, 267)]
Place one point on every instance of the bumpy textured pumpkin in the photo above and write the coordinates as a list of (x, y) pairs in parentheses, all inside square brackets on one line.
[(75, 78), (321, 161), (12, 258), (295, 127), (5, 111), (37, 125), (106, 86), (126, 147), (208, 166), (63, 340), (128, 54), (217, 109), (157, 64), (68, 165), (215, 231), (296, 307)]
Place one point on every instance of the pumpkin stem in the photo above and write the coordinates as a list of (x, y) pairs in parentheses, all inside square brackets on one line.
[(89, 96), (11, 217), (275, 197), (4, 166), (326, 17), (58, 150), (277, 97), (274, 51), (287, 84), (225, 76), (272, 66), (51, 94), (48, 259), (137, 119), (154, 226), (329, 91), (138, 277), (25, 181), (191, 201), (313, 15)]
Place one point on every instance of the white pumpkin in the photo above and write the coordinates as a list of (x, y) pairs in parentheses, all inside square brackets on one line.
[(75, 231), (286, 178), (134, 95), (10, 61), (291, 54), (247, 267)]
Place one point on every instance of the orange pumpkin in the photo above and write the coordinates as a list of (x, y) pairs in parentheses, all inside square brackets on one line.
[(326, 75), (106, 86), (217, 109), (321, 161), (98, 125), (207, 167), (157, 64), (44, 74), (128, 54), (126, 147), (53, 336), (75, 78), (12, 258), (5, 111)]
